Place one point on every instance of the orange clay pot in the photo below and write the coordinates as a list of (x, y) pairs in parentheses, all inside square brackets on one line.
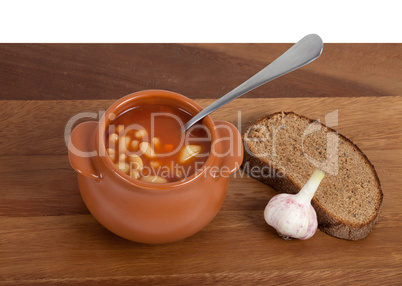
[(149, 212)]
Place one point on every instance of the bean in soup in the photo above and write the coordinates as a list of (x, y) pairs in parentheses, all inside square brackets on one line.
[(147, 143)]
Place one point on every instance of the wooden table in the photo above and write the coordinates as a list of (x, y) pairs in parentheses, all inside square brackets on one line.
[(47, 236)]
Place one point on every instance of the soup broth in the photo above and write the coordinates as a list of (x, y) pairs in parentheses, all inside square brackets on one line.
[(147, 143)]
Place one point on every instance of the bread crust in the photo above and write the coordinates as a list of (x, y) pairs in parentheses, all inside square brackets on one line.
[(283, 184)]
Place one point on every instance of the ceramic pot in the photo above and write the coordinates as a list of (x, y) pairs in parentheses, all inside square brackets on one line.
[(149, 212)]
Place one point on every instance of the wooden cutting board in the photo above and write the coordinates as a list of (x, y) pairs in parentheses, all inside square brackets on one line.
[(48, 236)]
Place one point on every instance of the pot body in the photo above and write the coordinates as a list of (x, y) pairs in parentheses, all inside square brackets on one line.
[(147, 212), (153, 216)]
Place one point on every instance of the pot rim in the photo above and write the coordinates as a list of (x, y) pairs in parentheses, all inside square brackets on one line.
[(194, 108)]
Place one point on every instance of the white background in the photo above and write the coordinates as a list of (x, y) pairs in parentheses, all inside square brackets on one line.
[(352, 21)]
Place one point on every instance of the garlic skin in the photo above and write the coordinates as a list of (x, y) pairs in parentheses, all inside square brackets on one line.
[(290, 218), (293, 216)]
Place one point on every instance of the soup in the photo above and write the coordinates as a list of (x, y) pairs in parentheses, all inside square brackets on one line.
[(147, 143)]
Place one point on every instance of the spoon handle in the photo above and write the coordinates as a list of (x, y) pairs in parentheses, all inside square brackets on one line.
[(303, 52)]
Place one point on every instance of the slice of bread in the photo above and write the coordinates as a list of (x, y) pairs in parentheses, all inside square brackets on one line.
[(283, 150)]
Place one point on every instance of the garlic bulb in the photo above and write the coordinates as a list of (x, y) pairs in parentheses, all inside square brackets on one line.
[(293, 216)]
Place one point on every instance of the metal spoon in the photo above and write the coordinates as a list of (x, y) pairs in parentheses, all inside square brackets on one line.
[(303, 52)]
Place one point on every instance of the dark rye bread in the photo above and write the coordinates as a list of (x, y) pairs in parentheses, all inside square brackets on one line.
[(349, 198)]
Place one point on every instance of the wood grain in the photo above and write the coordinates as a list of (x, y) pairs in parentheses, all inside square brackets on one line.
[(109, 71), (47, 235)]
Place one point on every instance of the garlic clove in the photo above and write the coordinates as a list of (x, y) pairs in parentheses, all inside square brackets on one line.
[(293, 216)]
